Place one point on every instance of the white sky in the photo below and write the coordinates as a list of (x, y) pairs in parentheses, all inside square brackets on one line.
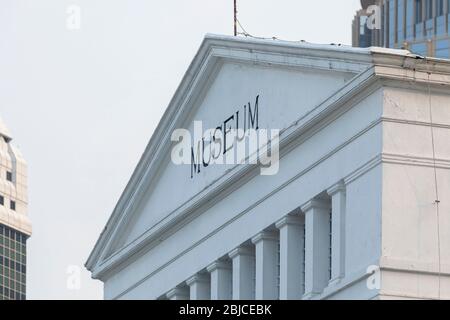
[(83, 104)]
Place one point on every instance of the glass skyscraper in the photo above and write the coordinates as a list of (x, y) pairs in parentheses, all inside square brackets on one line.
[(421, 26), (15, 227)]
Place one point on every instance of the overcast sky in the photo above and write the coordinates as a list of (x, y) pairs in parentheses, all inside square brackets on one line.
[(82, 104)]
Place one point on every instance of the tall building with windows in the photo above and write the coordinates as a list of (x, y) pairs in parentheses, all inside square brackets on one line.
[(421, 26), (15, 227), (351, 212)]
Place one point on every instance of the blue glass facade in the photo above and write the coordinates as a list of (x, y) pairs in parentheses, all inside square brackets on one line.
[(421, 26), (392, 25), (409, 19)]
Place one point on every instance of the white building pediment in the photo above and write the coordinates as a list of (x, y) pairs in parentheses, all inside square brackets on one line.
[(291, 86)]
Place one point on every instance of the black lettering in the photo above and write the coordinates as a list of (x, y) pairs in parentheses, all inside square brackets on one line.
[(214, 139), (253, 117), (205, 164), (195, 163), (226, 131)]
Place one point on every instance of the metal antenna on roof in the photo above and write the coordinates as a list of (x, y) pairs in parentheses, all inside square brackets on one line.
[(235, 18)]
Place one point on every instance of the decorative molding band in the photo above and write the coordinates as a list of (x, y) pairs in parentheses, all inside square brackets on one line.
[(413, 266), (416, 123), (273, 60), (415, 161)]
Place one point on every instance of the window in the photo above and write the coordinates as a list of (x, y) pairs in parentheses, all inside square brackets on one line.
[(400, 20), (392, 24), (304, 259), (419, 11), (13, 205), (9, 176), (439, 8), (278, 267), (330, 245), (443, 49), (254, 276), (409, 19), (419, 48), (2, 200), (429, 9)]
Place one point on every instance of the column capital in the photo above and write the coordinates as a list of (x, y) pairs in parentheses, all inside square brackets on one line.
[(338, 187), (289, 220), (265, 235), (315, 204), (176, 292), (218, 265), (199, 277), (241, 251)]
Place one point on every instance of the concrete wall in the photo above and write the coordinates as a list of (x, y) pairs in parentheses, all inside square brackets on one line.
[(410, 254)]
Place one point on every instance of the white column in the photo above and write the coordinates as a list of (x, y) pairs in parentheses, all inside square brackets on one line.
[(243, 259), (221, 280), (266, 265), (291, 257), (338, 200), (178, 293), (200, 287), (317, 215)]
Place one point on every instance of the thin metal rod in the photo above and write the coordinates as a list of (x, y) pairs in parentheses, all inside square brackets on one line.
[(235, 18)]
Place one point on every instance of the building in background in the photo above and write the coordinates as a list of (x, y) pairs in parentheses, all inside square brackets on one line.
[(352, 211), (421, 26), (15, 227)]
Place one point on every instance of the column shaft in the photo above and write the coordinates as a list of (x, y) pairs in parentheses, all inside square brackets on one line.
[(200, 287), (291, 257), (338, 200), (179, 293), (221, 280), (317, 221), (243, 259), (266, 244)]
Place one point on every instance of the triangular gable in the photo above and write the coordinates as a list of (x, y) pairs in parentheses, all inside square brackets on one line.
[(228, 77)]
